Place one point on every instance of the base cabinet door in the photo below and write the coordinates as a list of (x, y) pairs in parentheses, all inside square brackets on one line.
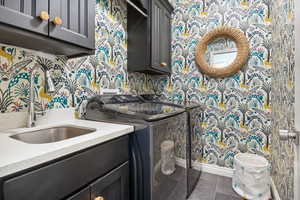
[(113, 186), (82, 195)]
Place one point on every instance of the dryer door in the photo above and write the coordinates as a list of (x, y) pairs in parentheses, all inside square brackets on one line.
[(169, 178)]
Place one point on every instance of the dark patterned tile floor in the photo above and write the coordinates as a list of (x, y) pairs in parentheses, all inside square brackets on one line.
[(214, 187)]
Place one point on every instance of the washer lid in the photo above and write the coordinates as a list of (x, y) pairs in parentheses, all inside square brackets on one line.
[(147, 111), (156, 99)]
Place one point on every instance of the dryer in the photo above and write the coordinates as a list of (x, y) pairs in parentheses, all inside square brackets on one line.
[(195, 116)]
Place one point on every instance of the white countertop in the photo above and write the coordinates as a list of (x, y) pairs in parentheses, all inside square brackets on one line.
[(16, 155)]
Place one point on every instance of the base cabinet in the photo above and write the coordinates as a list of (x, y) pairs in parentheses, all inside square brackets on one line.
[(100, 171), (84, 194)]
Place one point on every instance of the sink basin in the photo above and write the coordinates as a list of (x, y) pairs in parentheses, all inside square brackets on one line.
[(53, 134)]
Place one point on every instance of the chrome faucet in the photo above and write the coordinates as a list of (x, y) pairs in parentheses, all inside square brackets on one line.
[(49, 88)]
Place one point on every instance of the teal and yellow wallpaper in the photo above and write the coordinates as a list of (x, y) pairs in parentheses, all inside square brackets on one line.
[(241, 113), (237, 109), (283, 74)]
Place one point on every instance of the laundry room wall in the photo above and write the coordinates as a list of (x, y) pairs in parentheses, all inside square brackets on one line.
[(283, 95), (75, 79), (237, 109)]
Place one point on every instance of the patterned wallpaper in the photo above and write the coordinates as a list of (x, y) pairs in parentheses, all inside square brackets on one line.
[(237, 114), (283, 73), (75, 79), (237, 109)]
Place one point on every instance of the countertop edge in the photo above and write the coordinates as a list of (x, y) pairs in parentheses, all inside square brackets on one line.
[(47, 157)]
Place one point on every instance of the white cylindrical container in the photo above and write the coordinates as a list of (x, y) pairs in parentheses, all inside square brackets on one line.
[(167, 157), (251, 179)]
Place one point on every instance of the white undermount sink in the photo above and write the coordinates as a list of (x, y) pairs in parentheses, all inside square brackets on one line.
[(53, 134)]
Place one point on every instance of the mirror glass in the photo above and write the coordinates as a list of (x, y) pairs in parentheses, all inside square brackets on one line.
[(221, 53)]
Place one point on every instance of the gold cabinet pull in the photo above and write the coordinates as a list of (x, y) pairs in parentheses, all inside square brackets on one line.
[(44, 16), (99, 198), (163, 64), (58, 21)]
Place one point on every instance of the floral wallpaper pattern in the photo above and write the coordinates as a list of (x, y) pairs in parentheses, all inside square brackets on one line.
[(237, 110), (283, 73), (75, 79)]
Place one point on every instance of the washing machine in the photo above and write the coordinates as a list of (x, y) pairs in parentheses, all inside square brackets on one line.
[(155, 124)]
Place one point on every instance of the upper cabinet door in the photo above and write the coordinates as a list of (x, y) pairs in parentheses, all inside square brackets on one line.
[(73, 21), (161, 37), (157, 10), (165, 40), (25, 14)]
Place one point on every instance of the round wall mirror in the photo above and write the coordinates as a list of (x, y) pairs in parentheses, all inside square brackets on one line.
[(222, 52)]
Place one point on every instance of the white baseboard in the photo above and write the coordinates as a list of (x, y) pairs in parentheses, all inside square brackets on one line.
[(221, 171), (214, 169), (208, 168)]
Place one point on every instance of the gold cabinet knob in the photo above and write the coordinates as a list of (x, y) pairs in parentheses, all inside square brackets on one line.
[(163, 64), (99, 198), (44, 16), (58, 21)]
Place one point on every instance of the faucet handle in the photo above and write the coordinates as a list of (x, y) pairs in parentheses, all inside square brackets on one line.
[(50, 88), (37, 113), (82, 108)]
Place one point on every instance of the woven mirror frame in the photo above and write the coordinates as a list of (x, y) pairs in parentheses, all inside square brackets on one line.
[(241, 59)]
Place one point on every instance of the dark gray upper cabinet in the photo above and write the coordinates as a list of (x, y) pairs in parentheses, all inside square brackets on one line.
[(77, 17), (165, 44), (161, 37), (24, 14), (22, 24), (157, 10), (149, 39)]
